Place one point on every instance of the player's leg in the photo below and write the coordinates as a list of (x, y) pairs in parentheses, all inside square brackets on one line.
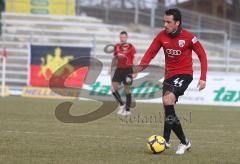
[(127, 80), (127, 89), (173, 123), (180, 84), (116, 81), (115, 93), (168, 104), (184, 143), (126, 111), (117, 96)]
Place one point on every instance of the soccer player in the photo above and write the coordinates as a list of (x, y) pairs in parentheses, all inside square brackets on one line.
[(177, 44), (123, 60)]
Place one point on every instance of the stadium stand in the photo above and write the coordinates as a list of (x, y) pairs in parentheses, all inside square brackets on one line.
[(20, 30)]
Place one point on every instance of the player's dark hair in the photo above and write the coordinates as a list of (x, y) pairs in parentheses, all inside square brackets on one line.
[(123, 32), (177, 16)]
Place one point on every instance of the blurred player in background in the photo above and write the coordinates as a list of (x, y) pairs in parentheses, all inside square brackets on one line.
[(123, 59), (177, 44)]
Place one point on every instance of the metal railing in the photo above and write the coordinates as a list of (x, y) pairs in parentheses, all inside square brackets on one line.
[(151, 14)]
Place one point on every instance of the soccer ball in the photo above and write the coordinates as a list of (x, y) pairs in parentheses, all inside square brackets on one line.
[(156, 144)]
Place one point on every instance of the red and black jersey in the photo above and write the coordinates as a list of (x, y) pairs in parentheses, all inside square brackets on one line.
[(128, 50), (178, 53)]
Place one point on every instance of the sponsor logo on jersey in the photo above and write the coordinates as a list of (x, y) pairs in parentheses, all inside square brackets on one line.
[(173, 52)]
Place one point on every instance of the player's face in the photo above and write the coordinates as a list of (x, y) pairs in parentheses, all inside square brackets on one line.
[(123, 38), (169, 23)]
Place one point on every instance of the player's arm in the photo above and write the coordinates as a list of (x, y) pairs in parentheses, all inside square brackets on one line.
[(114, 59), (199, 50), (135, 60), (149, 55), (114, 63)]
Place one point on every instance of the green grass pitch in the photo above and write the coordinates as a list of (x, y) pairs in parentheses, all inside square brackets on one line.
[(31, 134)]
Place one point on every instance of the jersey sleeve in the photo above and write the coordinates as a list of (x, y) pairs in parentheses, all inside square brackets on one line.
[(151, 52), (133, 51), (132, 55), (116, 47), (199, 50)]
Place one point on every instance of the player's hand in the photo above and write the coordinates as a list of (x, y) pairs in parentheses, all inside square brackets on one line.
[(137, 69), (201, 85)]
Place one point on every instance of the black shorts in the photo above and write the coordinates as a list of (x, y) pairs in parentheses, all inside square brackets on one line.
[(177, 84), (123, 75)]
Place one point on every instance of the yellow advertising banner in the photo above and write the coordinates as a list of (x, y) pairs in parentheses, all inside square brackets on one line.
[(43, 92), (52, 7)]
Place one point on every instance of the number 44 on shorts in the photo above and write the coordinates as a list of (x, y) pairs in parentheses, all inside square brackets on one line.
[(178, 82)]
